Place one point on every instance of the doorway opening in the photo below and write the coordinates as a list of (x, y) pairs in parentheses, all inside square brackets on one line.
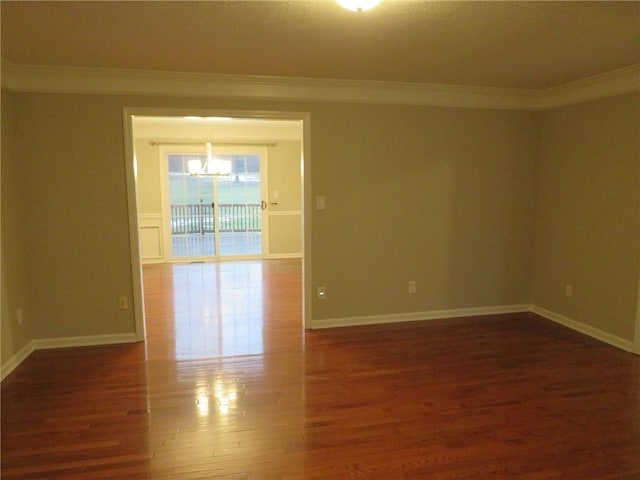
[(257, 211)]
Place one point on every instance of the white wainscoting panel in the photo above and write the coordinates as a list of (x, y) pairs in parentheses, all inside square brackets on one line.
[(285, 234), (151, 244)]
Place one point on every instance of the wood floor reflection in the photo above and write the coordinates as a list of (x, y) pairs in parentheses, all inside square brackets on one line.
[(229, 386), (210, 310)]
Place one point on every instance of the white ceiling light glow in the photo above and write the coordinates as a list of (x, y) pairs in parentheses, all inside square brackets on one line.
[(212, 167), (358, 5)]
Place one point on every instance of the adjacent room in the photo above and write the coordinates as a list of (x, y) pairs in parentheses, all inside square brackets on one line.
[(292, 240)]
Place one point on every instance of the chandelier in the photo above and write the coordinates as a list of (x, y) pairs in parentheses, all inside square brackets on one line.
[(213, 167)]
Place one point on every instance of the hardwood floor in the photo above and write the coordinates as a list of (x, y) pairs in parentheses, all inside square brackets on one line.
[(229, 386)]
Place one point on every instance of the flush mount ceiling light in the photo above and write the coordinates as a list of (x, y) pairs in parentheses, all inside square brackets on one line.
[(358, 5)]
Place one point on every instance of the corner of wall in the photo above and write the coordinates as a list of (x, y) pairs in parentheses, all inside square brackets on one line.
[(588, 219), (15, 313)]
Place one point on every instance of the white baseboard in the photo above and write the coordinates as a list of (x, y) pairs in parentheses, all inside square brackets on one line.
[(279, 256), (272, 256), (580, 327), (85, 341), (583, 328), (63, 342), (151, 261), (19, 357), (417, 316), (94, 340)]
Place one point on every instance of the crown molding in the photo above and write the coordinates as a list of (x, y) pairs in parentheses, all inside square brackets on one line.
[(616, 82), (41, 79), (75, 80)]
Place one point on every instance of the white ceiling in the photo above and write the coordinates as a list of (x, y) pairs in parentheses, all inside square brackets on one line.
[(163, 128), (517, 44)]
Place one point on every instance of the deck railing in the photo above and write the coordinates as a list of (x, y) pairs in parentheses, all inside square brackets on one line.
[(199, 218)]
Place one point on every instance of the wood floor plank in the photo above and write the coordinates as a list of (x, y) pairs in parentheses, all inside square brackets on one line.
[(229, 386)]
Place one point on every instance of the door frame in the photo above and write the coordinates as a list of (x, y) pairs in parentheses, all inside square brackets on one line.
[(166, 149), (132, 196)]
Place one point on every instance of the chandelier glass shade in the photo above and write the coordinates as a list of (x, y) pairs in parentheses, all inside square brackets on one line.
[(212, 167)]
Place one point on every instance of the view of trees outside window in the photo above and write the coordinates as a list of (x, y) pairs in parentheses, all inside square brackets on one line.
[(192, 203)]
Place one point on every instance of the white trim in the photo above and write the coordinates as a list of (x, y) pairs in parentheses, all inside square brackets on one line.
[(150, 216), (588, 330), (63, 342), (418, 316), (32, 78), (152, 224), (282, 213), (155, 261), (264, 196), (305, 173), (35, 78), (165, 207), (134, 234), (19, 357), (617, 82), (84, 341), (282, 256), (95, 340), (583, 328), (129, 112)]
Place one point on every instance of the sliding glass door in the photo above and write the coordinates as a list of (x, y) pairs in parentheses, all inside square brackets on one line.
[(209, 217), (240, 206)]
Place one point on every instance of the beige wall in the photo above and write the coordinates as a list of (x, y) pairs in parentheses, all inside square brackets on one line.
[(76, 208), (442, 196), (588, 213), (148, 178), (15, 288)]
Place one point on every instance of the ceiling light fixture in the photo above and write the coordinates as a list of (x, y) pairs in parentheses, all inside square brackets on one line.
[(358, 5), (213, 167)]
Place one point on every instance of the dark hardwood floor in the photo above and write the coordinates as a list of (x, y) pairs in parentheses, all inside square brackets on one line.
[(229, 386)]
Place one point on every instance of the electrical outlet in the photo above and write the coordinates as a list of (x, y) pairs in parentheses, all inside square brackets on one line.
[(322, 293), (413, 286), (568, 291), (19, 316), (123, 303)]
